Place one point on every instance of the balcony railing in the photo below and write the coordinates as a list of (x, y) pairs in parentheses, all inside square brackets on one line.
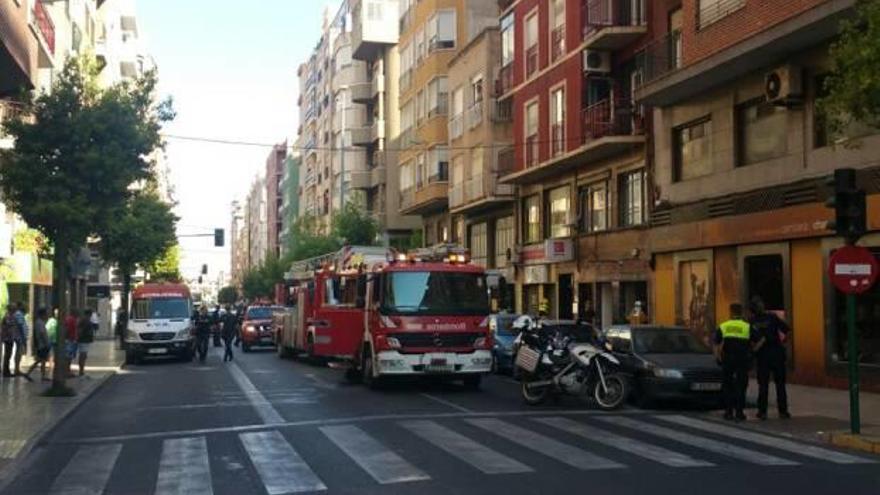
[(661, 57), (45, 25), (531, 60), (506, 161), (557, 139), (532, 150), (557, 43), (475, 115), (441, 107), (474, 189), (505, 80), (617, 117), (440, 173), (405, 80), (457, 195), (502, 111), (456, 126), (600, 14)]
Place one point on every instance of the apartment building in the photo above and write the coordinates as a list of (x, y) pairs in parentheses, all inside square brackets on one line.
[(237, 244), (741, 151), (432, 32), (256, 224), (375, 33), (290, 198), (568, 71), (275, 169), (481, 151)]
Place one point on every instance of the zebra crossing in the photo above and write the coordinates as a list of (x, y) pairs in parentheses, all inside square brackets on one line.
[(485, 445)]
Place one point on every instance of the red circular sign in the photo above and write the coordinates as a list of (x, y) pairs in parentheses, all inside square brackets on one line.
[(853, 269)]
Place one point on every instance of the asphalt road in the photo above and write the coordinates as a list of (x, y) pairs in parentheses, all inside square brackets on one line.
[(263, 425)]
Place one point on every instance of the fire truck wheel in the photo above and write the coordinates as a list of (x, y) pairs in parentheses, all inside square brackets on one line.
[(369, 379)]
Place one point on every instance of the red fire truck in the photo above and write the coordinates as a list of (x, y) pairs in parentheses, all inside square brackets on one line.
[(388, 314)]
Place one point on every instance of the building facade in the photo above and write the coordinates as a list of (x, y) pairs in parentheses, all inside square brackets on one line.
[(256, 224), (741, 153), (290, 198), (275, 169), (568, 71)]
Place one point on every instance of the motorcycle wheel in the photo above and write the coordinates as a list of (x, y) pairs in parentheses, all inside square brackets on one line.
[(615, 395), (534, 396)]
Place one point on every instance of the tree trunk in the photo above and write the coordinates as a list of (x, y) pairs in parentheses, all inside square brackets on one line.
[(59, 285), (126, 292)]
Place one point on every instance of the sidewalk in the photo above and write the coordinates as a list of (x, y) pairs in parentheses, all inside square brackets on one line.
[(27, 415), (819, 414)]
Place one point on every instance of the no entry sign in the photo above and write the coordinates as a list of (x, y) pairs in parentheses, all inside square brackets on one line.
[(853, 269)]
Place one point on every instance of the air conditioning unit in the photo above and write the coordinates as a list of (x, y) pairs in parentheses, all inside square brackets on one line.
[(784, 85), (597, 61)]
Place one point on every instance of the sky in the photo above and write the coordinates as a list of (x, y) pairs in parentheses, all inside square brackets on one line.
[(230, 67)]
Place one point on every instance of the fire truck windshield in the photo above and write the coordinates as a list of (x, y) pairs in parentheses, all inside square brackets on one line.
[(435, 293)]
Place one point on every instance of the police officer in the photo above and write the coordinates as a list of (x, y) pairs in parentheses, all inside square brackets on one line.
[(203, 323), (732, 347), (770, 334)]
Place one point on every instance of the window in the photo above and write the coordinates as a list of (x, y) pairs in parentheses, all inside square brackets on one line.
[(507, 40), (374, 11), (440, 30), (475, 182), (557, 29), (761, 131), (458, 230), (457, 194), (557, 121), (532, 219), (692, 148), (594, 207), (504, 240), (406, 116), (476, 89), (438, 164), (421, 106), (477, 244), (531, 43), (421, 45), (559, 204), (421, 171), (433, 293), (631, 191), (676, 24), (343, 58), (711, 11), (406, 176), (437, 97), (531, 137)]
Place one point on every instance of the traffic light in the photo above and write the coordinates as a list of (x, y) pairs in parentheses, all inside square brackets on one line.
[(200, 280), (204, 269), (219, 238), (848, 203)]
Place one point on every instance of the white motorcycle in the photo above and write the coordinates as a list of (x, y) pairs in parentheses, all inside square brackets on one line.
[(553, 363)]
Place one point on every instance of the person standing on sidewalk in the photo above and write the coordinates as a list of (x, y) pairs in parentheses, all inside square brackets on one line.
[(771, 332), (21, 341), (732, 347), (84, 338), (52, 332), (229, 330), (70, 324), (8, 332), (42, 345)]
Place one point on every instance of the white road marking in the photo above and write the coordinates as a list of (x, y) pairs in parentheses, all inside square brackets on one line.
[(184, 467), (263, 407), (383, 465), (88, 471), (768, 441), (336, 421), (727, 449), (626, 444), (477, 455), (554, 449), (9, 449), (447, 403), (280, 467)]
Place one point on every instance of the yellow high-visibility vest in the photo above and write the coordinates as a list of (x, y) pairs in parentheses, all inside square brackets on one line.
[(735, 329)]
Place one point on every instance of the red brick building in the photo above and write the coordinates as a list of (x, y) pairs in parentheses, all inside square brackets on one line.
[(568, 70)]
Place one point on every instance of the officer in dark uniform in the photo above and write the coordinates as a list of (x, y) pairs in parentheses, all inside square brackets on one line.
[(770, 332), (732, 349), (203, 323)]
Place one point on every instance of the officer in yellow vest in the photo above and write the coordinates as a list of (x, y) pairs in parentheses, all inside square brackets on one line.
[(732, 349)]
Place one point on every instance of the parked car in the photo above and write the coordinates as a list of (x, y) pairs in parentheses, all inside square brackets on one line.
[(256, 327), (502, 352), (666, 363)]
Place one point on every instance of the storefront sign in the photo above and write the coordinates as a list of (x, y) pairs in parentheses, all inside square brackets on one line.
[(537, 274), (853, 269), (558, 250)]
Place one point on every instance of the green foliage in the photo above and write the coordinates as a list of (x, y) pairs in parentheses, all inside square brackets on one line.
[(853, 86), (30, 241), (307, 240), (167, 266), (260, 282), (352, 225), (142, 232), (227, 295), (404, 244)]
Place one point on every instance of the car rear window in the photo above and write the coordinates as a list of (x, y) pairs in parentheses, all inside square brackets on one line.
[(263, 313), (667, 341)]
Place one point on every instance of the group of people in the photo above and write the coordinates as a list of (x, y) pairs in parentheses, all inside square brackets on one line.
[(761, 336), (14, 332), (204, 323)]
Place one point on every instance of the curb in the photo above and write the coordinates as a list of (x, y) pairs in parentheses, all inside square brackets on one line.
[(11, 471), (865, 443)]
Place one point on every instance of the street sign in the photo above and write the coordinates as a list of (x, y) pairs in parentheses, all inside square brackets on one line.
[(853, 269)]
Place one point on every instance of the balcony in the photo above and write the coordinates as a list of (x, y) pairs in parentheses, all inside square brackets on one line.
[(661, 56), (502, 111), (360, 180), (474, 115), (377, 130), (361, 92), (441, 106), (430, 198), (557, 139), (370, 33), (480, 192), (361, 135), (531, 60), (377, 84), (531, 150), (456, 126), (504, 83), (557, 43), (610, 128), (44, 25), (611, 24), (377, 176)]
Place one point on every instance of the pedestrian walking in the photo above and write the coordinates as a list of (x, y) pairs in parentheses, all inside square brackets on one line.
[(96, 321), (52, 332), (771, 333), (203, 324), (230, 332), (23, 332), (42, 344), (732, 349), (8, 332), (84, 337), (72, 347)]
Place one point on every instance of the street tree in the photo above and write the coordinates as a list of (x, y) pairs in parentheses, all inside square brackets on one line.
[(308, 241), (77, 150), (167, 267), (142, 232), (354, 226), (853, 85), (227, 295)]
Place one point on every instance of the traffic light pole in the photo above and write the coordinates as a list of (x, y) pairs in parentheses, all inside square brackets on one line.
[(853, 353)]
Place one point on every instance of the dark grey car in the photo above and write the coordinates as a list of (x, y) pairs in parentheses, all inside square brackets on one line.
[(666, 363)]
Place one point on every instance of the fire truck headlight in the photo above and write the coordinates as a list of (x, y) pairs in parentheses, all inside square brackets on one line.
[(393, 343), (481, 343), (391, 363), (387, 322)]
